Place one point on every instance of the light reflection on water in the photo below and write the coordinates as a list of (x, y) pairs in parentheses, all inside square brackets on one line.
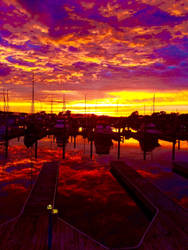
[(86, 189)]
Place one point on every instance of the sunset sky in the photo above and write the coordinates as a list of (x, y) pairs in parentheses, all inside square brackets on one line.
[(117, 53)]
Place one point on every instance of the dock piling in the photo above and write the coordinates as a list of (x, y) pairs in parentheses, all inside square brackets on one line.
[(118, 148), (173, 149), (178, 144), (50, 230), (63, 150), (91, 149)]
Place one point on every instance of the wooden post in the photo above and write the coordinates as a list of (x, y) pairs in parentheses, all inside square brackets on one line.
[(64, 150), (91, 149), (74, 141), (50, 230), (178, 144), (119, 148), (52, 219), (173, 149)]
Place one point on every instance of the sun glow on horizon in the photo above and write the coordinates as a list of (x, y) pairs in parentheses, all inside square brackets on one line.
[(121, 103)]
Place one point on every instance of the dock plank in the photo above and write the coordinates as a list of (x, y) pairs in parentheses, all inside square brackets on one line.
[(66, 237)]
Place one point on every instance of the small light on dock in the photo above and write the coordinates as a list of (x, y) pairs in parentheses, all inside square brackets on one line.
[(49, 207), (54, 211)]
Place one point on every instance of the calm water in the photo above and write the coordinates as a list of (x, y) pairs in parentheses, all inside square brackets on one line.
[(87, 192)]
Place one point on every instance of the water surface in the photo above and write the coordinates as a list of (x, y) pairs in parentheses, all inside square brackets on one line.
[(88, 196)]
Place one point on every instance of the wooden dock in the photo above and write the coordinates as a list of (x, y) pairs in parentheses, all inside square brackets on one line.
[(29, 230), (169, 230)]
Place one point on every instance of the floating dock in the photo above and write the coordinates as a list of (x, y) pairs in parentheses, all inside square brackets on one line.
[(30, 230), (169, 230)]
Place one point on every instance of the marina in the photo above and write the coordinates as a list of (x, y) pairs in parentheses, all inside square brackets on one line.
[(87, 182), (93, 125)]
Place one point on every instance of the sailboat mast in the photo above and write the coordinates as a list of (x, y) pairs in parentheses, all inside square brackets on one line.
[(85, 116), (51, 105), (4, 99), (117, 108), (33, 95), (154, 103), (64, 101), (85, 104), (7, 106), (96, 107)]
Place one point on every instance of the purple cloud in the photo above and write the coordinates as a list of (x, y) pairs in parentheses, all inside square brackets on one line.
[(152, 16), (20, 61), (55, 14), (164, 35), (84, 66), (5, 33), (73, 49), (171, 54), (4, 70)]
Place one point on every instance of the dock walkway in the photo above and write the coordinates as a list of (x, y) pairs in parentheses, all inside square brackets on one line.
[(29, 230), (170, 227)]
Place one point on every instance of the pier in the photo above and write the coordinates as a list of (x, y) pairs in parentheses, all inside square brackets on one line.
[(168, 228)]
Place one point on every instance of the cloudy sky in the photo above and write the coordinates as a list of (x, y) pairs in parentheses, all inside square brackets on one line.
[(117, 53)]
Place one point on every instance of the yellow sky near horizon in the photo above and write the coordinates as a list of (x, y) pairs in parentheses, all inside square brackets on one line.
[(120, 103)]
